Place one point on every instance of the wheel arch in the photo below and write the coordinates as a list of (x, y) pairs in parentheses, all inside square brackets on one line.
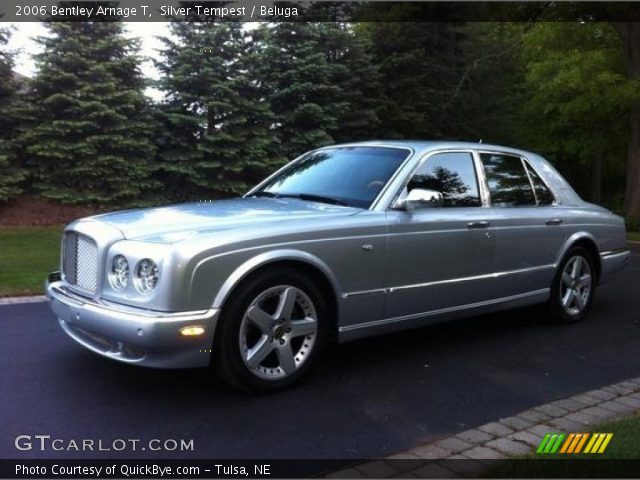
[(586, 241), (303, 261)]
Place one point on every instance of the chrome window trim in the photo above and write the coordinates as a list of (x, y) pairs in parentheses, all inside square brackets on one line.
[(457, 308), (528, 166), (410, 154), (394, 200), (526, 163), (482, 180), (483, 276), (533, 188)]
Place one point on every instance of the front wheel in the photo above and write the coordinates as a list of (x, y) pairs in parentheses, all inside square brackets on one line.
[(573, 288), (270, 331)]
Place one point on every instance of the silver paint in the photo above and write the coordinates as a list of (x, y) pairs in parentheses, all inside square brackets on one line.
[(388, 269)]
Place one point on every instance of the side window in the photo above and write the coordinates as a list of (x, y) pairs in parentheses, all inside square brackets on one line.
[(451, 174), (508, 181), (543, 194)]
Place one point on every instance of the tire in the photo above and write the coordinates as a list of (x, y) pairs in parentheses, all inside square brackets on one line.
[(574, 285), (270, 331)]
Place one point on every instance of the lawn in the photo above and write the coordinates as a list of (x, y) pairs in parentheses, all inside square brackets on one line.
[(625, 444), (27, 254), (634, 236)]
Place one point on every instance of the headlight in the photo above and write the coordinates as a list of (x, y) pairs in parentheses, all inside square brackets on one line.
[(147, 274), (119, 274)]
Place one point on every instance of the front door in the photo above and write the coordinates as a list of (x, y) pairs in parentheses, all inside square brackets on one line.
[(440, 257)]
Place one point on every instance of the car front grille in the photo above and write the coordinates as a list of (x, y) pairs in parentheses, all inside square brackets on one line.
[(80, 261)]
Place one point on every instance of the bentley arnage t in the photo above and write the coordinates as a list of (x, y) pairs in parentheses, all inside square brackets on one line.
[(344, 242)]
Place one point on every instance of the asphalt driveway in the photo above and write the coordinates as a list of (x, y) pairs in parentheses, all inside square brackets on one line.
[(366, 399)]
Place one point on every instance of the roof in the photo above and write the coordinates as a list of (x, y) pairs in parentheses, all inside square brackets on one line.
[(421, 146)]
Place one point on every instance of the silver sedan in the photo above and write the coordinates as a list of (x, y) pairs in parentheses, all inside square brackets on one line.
[(344, 242)]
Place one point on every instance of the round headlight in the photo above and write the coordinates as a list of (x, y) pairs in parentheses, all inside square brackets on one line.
[(119, 275), (147, 274)]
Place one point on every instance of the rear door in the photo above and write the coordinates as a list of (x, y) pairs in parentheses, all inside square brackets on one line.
[(528, 226)]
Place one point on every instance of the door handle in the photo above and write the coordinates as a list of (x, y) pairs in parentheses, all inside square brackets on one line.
[(554, 221), (478, 224)]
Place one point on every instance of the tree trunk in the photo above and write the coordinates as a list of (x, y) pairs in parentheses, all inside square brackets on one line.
[(596, 176), (630, 34)]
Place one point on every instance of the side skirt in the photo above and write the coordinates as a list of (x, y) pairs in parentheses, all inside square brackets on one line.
[(377, 327)]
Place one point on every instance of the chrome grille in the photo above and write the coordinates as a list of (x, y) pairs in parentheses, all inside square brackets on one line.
[(80, 261)]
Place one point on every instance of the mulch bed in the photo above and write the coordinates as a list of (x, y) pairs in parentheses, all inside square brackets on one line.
[(29, 211)]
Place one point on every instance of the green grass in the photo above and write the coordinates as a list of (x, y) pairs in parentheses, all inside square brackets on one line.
[(27, 254), (635, 236), (625, 444)]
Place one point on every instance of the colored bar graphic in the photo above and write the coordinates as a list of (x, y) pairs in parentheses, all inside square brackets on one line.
[(567, 443), (606, 441), (543, 443), (582, 442), (594, 437), (574, 443)]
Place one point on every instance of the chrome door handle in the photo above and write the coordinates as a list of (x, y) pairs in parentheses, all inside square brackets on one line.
[(554, 221), (478, 224)]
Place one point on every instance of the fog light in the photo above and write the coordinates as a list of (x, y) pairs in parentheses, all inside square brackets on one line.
[(191, 331)]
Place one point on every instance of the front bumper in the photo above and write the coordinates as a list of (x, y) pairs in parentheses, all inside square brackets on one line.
[(133, 335)]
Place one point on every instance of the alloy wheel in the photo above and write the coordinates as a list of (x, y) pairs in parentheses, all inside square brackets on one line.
[(278, 332), (576, 285)]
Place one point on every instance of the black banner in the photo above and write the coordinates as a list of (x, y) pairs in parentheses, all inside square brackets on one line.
[(317, 11), (215, 469)]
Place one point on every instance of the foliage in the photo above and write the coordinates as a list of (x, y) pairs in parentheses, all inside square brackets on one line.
[(420, 67), (576, 84), (215, 135), (299, 79), (239, 101), (90, 139), (11, 174)]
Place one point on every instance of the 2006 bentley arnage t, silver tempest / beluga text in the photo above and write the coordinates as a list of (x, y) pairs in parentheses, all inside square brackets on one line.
[(344, 242)]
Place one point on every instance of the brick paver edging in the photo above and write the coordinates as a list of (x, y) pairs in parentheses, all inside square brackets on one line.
[(19, 300), (511, 436)]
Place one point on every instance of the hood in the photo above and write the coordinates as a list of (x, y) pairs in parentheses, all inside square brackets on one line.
[(177, 222)]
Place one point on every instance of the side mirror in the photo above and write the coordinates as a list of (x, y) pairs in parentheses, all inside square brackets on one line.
[(421, 198)]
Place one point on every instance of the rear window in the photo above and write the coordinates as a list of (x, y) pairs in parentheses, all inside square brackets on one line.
[(508, 181), (542, 192)]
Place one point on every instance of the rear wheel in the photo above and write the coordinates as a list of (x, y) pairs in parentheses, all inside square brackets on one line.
[(573, 288), (270, 331)]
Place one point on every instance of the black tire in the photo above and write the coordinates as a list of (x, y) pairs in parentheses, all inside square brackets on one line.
[(228, 359), (561, 312)]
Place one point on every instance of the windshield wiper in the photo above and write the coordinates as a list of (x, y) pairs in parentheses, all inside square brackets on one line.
[(264, 193), (313, 198)]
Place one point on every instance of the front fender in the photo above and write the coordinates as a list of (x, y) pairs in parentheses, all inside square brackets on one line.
[(233, 272)]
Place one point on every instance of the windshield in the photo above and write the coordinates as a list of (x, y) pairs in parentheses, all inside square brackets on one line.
[(351, 176)]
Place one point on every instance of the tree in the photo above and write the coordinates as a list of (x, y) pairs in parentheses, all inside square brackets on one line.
[(218, 138), (420, 64), (629, 33), (91, 141), (577, 85), (295, 71), (11, 175), (358, 78), (489, 92)]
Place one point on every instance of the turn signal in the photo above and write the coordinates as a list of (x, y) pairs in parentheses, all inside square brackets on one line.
[(191, 331)]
